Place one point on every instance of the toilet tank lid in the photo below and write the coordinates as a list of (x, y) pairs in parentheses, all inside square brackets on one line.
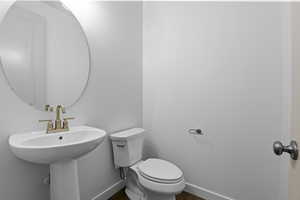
[(127, 134)]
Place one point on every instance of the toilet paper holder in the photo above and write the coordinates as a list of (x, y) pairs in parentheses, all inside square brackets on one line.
[(195, 131)]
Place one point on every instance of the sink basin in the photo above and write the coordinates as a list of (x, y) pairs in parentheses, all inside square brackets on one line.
[(39, 147), (60, 150)]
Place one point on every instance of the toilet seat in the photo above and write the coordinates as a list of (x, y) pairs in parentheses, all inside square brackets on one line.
[(160, 171), (160, 176)]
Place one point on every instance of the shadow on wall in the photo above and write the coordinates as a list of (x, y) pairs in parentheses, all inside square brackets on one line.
[(150, 150)]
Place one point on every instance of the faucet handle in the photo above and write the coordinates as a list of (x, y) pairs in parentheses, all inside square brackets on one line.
[(66, 123), (49, 108), (69, 118), (50, 124), (45, 120)]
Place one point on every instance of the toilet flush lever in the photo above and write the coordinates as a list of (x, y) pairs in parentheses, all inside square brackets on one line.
[(195, 131)]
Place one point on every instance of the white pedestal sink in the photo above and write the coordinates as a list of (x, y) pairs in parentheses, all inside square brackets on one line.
[(60, 150)]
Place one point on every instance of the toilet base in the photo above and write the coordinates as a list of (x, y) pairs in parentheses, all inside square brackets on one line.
[(135, 191), (133, 196), (157, 196), (154, 196)]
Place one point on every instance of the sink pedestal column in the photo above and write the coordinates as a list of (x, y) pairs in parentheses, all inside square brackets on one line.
[(64, 181)]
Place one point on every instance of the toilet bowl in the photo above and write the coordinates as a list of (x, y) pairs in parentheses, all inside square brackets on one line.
[(152, 179)]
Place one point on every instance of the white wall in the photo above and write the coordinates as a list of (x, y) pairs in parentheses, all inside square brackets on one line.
[(220, 67), (112, 102)]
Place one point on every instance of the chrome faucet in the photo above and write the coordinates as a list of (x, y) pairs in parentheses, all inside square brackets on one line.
[(59, 125)]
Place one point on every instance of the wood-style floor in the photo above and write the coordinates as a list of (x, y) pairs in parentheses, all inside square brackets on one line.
[(183, 196)]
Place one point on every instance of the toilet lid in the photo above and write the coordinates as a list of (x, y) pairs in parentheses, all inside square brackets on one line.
[(160, 171)]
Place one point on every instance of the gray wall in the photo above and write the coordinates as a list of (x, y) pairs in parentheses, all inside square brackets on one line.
[(112, 101)]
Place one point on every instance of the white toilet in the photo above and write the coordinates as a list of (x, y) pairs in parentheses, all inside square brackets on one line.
[(152, 179)]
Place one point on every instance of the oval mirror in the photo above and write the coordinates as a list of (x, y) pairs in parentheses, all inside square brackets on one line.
[(44, 53)]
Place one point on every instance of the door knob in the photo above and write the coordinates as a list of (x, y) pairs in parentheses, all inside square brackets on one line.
[(292, 149)]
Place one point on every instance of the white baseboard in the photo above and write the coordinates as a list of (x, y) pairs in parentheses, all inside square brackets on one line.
[(110, 191), (190, 188), (204, 193)]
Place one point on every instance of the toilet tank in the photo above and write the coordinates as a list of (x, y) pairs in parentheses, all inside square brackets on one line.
[(127, 146)]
